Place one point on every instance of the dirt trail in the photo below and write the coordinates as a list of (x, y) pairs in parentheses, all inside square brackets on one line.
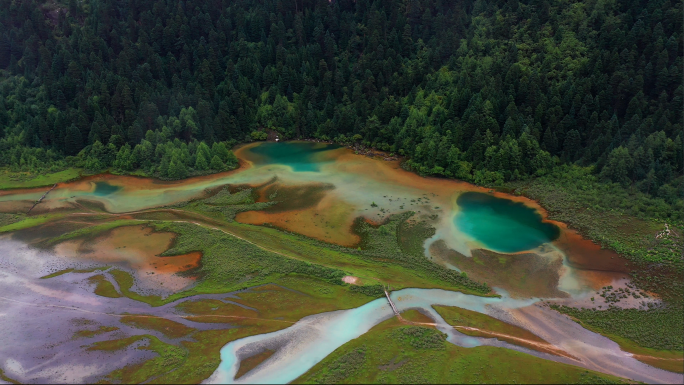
[(656, 358), (546, 348)]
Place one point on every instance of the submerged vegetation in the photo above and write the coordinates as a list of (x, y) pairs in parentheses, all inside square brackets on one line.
[(167, 358), (231, 204), (382, 242)]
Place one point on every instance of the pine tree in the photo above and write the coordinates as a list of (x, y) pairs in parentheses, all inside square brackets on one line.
[(201, 162), (177, 169), (216, 164), (73, 142)]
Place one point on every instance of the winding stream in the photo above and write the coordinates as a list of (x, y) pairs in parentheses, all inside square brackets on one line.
[(303, 345)]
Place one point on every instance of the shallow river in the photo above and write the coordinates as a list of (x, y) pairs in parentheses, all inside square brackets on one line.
[(301, 346)]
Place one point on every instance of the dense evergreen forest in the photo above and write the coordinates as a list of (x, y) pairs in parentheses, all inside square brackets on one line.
[(484, 91)]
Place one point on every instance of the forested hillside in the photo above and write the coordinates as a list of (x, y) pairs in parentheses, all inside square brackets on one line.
[(484, 91)]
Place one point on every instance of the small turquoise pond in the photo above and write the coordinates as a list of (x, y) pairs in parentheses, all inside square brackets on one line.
[(104, 189), (300, 156), (501, 224)]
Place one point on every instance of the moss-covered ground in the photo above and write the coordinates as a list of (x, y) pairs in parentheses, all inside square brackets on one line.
[(393, 352)]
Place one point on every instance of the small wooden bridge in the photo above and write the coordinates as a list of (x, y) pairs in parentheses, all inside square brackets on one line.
[(394, 308), (41, 198)]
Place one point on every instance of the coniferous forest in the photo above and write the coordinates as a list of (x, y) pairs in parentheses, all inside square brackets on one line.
[(484, 91)]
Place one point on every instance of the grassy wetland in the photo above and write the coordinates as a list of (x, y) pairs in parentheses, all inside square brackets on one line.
[(394, 352), (242, 276)]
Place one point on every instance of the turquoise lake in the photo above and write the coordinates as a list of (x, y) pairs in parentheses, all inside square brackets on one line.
[(501, 224), (300, 156)]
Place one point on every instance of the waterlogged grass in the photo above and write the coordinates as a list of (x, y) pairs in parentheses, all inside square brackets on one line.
[(392, 352), (92, 333), (103, 287), (225, 206), (224, 197), (15, 180), (126, 281), (229, 263), (314, 296), (7, 379), (114, 345), (94, 230), (168, 357), (275, 308), (167, 327), (359, 263), (65, 271), (203, 351)]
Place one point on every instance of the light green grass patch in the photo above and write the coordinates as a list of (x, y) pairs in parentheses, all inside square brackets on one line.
[(10, 180), (30, 222)]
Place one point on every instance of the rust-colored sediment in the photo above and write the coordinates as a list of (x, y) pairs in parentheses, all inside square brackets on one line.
[(587, 255), (138, 247), (593, 266), (329, 220), (521, 274)]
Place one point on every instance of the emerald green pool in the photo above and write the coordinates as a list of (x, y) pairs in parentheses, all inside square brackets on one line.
[(104, 189), (300, 156), (501, 224)]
